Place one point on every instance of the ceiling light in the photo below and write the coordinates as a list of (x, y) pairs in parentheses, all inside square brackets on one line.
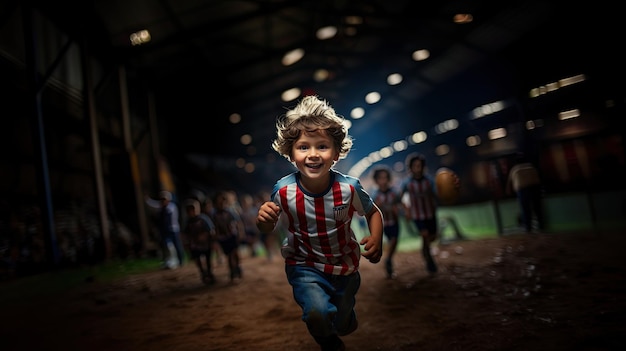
[(473, 140), (400, 145), (234, 118), (321, 75), (394, 79), (357, 112), (446, 126), (246, 139), (326, 32), (569, 114), (532, 124), (488, 109), (496, 133), (290, 94), (354, 20), (292, 57), (386, 152), (140, 37), (421, 55), (372, 98), (418, 137), (572, 80)]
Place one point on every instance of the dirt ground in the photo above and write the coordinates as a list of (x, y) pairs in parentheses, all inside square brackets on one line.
[(555, 291)]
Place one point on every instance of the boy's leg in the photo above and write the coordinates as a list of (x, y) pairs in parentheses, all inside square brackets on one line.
[(346, 288), (428, 232), (327, 303), (312, 291), (431, 266)]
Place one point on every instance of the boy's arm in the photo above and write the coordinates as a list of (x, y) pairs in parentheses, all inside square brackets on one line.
[(267, 217), (374, 242)]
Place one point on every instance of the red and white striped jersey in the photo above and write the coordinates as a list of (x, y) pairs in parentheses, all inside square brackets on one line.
[(422, 197), (319, 232), (388, 202)]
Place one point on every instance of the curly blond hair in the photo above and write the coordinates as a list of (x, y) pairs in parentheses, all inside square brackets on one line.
[(311, 114)]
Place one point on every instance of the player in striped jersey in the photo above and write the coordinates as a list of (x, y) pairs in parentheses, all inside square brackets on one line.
[(388, 200), (421, 207), (321, 251)]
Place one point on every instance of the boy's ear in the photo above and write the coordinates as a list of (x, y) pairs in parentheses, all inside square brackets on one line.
[(336, 158)]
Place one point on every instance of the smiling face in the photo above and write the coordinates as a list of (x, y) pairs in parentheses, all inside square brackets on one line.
[(313, 154)]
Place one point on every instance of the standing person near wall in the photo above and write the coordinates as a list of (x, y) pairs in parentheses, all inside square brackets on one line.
[(525, 182), (388, 200), (321, 251), (169, 229), (421, 204)]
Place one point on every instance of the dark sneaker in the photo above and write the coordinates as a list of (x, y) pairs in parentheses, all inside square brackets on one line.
[(333, 343)]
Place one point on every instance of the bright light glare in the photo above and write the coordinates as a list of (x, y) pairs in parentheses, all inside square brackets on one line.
[(400, 145), (386, 152), (488, 109), (418, 137), (421, 55), (292, 57), (372, 98), (446, 126), (290, 94), (394, 79), (354, 20), (234, 118), (497, 133), (140, 37), (246, 139), (321, 75), (532, 124), (326, 32), (357, 112), (569, 114), (473, 140)]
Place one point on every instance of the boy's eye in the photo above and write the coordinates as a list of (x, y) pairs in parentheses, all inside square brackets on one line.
[(302, 147)]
